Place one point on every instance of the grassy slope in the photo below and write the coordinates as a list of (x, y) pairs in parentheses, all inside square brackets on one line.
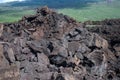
[(13, 14), (92, 12)]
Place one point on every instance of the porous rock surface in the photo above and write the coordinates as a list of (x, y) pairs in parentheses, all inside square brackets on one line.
[(52, 46), (111, 32)]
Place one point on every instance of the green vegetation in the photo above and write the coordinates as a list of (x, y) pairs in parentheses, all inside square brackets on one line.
[(13, 14), (83, 12), (94, 12)]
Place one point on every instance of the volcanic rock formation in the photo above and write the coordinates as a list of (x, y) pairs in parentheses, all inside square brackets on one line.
[(109, 29), (52, 46)]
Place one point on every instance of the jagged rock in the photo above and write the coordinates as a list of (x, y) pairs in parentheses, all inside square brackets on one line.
[(7, 71), (109, 29), (64, 77), (10, 73), (3, 61), (1, 29), (52, 46)]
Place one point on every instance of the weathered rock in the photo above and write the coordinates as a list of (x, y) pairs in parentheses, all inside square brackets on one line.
[(10, 73), (3, 61), (1, 29), (52, 46), (7, 72), (109, 29), (64, 77)]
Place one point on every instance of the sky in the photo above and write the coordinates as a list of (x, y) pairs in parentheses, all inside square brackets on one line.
[(4, 1)]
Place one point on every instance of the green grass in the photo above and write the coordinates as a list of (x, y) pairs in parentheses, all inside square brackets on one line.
[(94, 11), (12, 15)]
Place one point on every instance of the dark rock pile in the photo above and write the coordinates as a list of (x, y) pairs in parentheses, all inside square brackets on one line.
[(109, 32), (108, 22), (112, 34), (52, 46)]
